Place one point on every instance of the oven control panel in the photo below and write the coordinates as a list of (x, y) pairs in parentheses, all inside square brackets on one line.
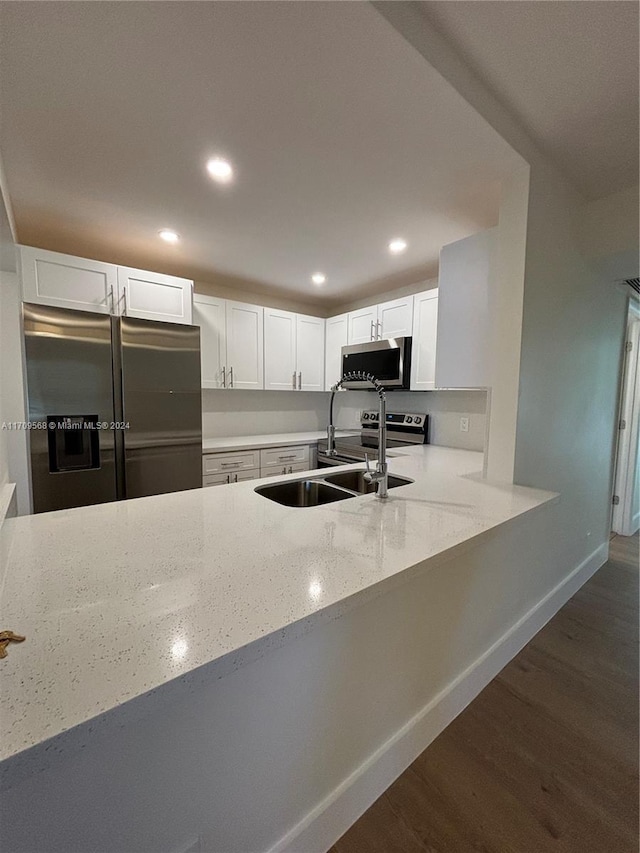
[(410, 419)]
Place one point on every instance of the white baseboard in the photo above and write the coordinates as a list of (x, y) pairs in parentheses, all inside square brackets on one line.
[(332, 817)]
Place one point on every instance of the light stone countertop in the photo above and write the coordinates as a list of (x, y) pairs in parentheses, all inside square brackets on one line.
[(244, 442), (135, 599)]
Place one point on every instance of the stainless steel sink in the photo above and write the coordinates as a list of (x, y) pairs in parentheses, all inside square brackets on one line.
[(303, 493), (355, 481)]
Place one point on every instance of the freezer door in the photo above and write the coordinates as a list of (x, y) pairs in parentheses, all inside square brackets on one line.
[(161, 406), (70, 397)]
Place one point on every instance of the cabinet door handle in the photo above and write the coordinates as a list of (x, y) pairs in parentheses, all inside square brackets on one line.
[(300, 381), (224, 377), (228, 478), (372, 332), (110, 297), (124, 301), (379, 326), (294, 380), (231, 377), (290, 469)]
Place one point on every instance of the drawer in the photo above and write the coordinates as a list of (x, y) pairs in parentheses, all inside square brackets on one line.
[(286, 468), (221, 463), (285, 456), (230, 477)]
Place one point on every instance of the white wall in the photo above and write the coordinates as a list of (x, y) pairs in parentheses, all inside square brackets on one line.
[(15, 442), (226, 413)]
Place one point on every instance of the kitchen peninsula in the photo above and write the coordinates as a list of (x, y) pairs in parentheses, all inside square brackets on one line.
[(139, 611)]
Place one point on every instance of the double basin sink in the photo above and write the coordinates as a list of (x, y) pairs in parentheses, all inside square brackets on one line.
[(324, 490)]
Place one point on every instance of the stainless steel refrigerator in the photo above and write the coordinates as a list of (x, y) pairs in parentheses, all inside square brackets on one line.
[(114, 407)]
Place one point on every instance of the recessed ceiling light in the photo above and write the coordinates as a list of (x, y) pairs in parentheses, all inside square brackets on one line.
[(220, 170), (397, 245), (168, 235), (318, 278)]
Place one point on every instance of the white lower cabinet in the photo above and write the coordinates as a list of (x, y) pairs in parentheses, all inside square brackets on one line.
[(220, 469), (279, 456), (231, 477), (223, 463)]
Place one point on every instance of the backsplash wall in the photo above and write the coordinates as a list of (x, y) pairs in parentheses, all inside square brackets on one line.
[(226, 413)]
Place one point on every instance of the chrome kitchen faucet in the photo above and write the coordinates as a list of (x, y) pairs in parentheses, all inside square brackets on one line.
[(380, 475)]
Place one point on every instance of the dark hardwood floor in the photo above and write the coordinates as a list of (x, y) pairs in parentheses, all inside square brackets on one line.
[(546, 757)]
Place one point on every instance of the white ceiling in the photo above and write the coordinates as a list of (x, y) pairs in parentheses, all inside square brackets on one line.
[(567, 70), (342, 137)]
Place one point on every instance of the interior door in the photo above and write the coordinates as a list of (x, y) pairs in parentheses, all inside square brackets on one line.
[(245, 343), (310, 350), (209, 313), (280, 350)]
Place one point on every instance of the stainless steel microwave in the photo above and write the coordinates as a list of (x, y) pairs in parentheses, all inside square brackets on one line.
[(388, 360)]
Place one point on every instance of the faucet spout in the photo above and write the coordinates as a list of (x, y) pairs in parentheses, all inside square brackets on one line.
[(381, 474)]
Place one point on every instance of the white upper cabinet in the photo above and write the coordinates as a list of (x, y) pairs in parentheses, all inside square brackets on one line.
[(64, 281), (310, 346), (467, 268), (392, 319), (280, 364), (293, 351), (363, 325), (245, 345), (209, 312), (395, 318), (425, 327), (336, 337), (50, 278), (154, 296)]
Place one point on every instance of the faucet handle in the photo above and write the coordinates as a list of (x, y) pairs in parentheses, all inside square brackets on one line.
[(369, 474)]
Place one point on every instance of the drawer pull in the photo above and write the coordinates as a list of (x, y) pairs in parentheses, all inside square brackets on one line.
[(285, 458), (230, 464)]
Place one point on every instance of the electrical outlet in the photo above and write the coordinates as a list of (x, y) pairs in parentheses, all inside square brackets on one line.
[(464, 424)]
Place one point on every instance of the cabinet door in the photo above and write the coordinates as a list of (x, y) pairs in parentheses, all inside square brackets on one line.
[(395, 318), (336, 337), (362, 325), (280, 350), (310, 353), (245, 345), (423, 353), (154, 296), (209, 314), (50, 278)]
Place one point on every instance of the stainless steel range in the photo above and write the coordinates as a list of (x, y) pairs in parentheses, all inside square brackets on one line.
[(403, 429)]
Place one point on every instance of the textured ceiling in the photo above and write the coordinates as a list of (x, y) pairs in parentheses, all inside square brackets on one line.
[(566, 69), (342, 137)]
